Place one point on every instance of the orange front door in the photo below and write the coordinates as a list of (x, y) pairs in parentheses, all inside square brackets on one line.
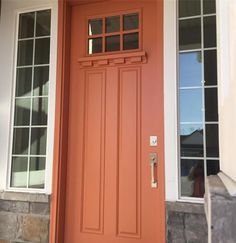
[(115, 105)]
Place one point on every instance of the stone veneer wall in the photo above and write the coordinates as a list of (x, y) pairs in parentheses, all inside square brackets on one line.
[(186, 223), (24, 217)]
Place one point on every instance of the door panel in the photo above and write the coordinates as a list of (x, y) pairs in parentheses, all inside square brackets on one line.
[(115, 105), (93, 152), (129, 151)]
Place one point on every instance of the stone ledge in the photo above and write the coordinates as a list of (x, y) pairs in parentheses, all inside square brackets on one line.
[(25, 197), (186, 222), (185, 207), (220, 211)]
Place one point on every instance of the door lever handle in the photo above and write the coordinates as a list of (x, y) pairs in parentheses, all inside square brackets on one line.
[(153, 164)]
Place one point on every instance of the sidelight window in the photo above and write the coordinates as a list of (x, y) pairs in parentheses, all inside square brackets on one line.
[(30, 125), (119, 32), (197, 88)]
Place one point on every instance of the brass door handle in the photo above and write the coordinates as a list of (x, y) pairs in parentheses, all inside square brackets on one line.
[(153, 163)]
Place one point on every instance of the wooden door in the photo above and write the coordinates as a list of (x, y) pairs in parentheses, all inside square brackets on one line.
[(115, 105)]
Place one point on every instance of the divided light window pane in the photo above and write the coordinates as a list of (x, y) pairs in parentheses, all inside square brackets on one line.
[(190, 69), (113, 33), (190, 34), (31, 101), (189, 8), (197, 89)]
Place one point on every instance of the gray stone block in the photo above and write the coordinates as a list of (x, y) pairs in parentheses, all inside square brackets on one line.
[(14, 206), (40, 208), (8, 225), (25, 197), (175, 219), (186, 223), (33, 229), (195, 228), (184, 207)]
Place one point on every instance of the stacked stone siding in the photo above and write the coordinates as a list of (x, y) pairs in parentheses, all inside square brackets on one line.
[(186, 223), (24, 217)]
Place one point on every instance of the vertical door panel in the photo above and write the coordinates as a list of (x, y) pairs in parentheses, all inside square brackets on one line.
[(129, 153), (93, 151)]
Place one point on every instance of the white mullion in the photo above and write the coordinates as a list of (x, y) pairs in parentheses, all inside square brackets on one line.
[(36, 38), (203, 93), (36, 65), (192, 157), (210, 48), (212, 122), (33, 126), (25, 155), (29, 97), (190, 50), (31, 102), (190, 87), (198, 16), (211, 87), (190, 123)]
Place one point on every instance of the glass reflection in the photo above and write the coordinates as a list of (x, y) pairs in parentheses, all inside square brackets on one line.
[(95, 45), (26, 25), (37, 172), (190, 69), (113, 43), (19, 172), (41, 80), (209, 31), (22, 112), (212, 140), (25, 53), (190, 34), (131, 41), (210, 67), (209, 6), (42, 47), (211, 104), (213, 167), (191, 105), (39, 111), (131, 21), (43, 23), (23, 81), (95, 26), (192, 178), (189, 8), (20, 141), (191, 140), (112, 24), (38, 141)]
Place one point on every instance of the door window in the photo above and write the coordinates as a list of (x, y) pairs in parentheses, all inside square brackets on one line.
[(119, 32)]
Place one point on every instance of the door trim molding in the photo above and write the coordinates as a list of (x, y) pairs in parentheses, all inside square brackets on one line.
[(57, 215)]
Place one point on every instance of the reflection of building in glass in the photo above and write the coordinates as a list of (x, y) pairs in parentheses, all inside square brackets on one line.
[(192, 144)]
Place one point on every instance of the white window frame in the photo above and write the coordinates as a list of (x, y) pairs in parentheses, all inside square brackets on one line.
[(172, 146), (39, 5), (170, 100)]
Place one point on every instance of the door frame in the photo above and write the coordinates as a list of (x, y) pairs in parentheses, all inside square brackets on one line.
[(57, 214)]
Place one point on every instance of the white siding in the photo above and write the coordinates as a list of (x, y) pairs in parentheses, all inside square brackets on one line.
[(226, 11)]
